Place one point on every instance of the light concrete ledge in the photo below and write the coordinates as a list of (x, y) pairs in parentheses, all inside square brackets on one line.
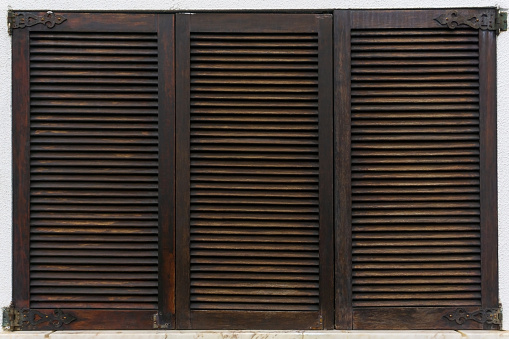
[(256, 335)]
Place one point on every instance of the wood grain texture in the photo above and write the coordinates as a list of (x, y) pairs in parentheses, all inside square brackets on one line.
[(182, 168), (21, 168), (100, 320), (326, 173), (409, 318), (102, 22), (94, 141), (76, 172), (254, 171), (342, 165), (255, 189), (166, 178), (488, 170), (395, 171), (408, 19), (252, 320), (417, 171)]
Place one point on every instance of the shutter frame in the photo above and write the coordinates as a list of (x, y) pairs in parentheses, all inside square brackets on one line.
[(166, 293), (21, 168), (342, 172), (259, 24), (86, 318), (411, 317), (346, 316), (488, 171)]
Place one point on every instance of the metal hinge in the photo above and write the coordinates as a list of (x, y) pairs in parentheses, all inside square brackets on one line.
[(487, 20), (26, 19), (491, 316), (10, 318), (161, 321), (21, 319), (10, 21), (501, 21)]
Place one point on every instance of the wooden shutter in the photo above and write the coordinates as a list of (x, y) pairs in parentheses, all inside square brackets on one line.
[(93, 117), (416, 198), (254, 178)]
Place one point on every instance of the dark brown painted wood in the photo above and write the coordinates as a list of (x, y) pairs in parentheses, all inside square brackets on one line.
[(326, 175), (94, 169), (97, 173), (342, 178), (166, 129), (243, 22), (252, 320), (21, 169), (408, 18), (101, 320), (102, 22), (417, 152), (409, 318), (423, 169), (254, 172), (488, 170), (182, 125)]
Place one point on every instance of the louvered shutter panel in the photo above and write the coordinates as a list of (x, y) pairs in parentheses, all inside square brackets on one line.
[(93, 155), (254, 171), (415, 128)]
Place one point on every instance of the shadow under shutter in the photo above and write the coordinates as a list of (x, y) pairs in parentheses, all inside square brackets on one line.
[(254, 179), (416, 134), (93, 118)]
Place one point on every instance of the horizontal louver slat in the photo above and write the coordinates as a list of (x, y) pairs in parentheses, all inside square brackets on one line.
[(94, 170), (415, 168), (254, 172)]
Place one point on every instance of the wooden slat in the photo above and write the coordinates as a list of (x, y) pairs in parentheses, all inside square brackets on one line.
[(253, 172), (416, 195), (95, 162)]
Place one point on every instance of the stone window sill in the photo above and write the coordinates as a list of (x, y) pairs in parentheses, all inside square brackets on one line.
[(256, 335)]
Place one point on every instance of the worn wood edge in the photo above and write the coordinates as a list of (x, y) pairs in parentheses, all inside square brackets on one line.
[(21, 169), (101, 320), (255, 320), (166, 180), (326, 189), (182, 162), (488, 170), (255, 22), (410, 318), (410, 18), (342, 175), (98, 22)]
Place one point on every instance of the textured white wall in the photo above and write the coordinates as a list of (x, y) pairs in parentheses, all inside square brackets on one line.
[(56, 5)]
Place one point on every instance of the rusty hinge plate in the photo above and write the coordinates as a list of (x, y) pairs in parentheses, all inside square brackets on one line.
[(14, 319), (502, 21), (488, 20), (16, 20), (10, 318), (491, 316)]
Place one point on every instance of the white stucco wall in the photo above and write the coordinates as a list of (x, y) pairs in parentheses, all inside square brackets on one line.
[(61, 5)]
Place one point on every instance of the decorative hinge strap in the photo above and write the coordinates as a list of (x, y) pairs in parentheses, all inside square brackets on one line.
[(489, 20), (14, 319), (25, 19), (491, 316)]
